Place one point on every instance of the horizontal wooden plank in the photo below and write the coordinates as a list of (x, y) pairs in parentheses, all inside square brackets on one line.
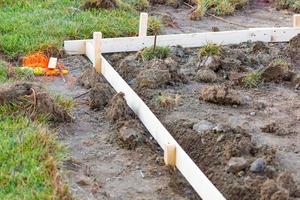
[(184, 163), (111, 45)]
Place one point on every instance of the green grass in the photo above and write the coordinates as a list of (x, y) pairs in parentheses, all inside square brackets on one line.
[(28, 154), (151, 53), (210, 49), (293, 5), (253, 79), (217, 7), (66, 103), (29, 25), (16, 73)]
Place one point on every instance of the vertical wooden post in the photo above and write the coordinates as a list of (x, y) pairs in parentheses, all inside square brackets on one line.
[(170, 155), (143, 25), (97, 36), (296, 21)]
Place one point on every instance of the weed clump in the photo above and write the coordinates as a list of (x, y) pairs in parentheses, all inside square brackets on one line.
[(210, 49), (217, 7), (253, 79), (166, 101), (154, 26), (293, 5), (157, 52), (65, 102)]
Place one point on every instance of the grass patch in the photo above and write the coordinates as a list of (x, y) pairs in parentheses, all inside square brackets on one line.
[(280, 62), (29, 25), (217, 7), (65, 102), (154, 26), (293, 5), (164, 100), (30, 153), (14, 73), (151, 53), (210, 49), (253, 79)]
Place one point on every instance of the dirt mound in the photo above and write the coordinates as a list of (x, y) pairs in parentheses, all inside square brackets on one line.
[(275, 71), (89, 78), (97, 4), (129, 134), (219, 94), (213, 151), (153, 78), (206, 75), (100, 96), (294, 50), (34, 100), (118, 109)]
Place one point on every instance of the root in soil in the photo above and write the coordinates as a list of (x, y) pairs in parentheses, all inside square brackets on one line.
[(33, 101)]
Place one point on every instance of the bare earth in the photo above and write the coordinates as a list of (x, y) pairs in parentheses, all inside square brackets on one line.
[(100, 169)]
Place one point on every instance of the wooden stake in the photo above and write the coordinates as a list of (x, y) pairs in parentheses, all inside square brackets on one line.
[(170, 155), (52, 63), (296, 20), (97, 36), (143, 25)]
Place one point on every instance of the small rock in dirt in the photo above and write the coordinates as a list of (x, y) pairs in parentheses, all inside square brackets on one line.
[(281, 194), (286, 180), (220, 138), (178, 51), (212, 62), (268, 188), (153, 78), (236, 164), (187, 71), (118, 109), (203, 126), (100, 96), (253, 113), (258, 165), (220, 95), (275, 72), (206, 75)]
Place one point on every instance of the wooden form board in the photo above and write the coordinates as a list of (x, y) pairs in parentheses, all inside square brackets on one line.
[(126, 44), (197, 179)]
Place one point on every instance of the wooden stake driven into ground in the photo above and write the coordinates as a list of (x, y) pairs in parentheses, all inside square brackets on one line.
[(97, 46), (143, 25), (296, 21)]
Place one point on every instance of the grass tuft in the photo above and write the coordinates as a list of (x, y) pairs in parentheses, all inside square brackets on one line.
[(65, 102), (154, 26), (3, 72), (151, 53), (253, 79), (210, 49), (164, 100)]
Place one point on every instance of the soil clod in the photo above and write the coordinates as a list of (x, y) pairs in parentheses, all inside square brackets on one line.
[(118, 109), (220, 95), (100, 96)]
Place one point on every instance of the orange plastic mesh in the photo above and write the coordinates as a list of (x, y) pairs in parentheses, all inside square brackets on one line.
[(36, 60)]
